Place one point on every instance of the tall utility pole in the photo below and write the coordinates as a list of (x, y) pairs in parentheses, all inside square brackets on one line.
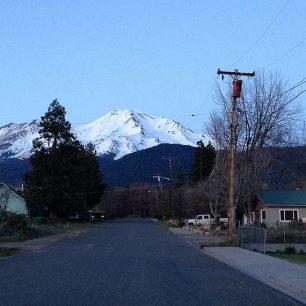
[(171, 180), (237, 86)]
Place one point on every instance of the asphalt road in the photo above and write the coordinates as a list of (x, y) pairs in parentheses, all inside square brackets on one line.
[(127, 262)]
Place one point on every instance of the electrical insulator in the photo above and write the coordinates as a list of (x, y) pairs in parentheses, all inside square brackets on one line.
[(237, 86)]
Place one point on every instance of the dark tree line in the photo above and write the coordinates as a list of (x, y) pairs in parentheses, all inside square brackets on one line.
[(148, 201)]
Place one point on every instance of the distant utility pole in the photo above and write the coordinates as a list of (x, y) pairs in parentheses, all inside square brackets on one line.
[(159, 177), (237, 86), (171, 180)]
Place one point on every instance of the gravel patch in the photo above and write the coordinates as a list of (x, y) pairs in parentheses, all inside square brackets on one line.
[(196, 237)]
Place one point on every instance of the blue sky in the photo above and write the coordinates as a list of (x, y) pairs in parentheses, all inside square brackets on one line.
[(159, 57)]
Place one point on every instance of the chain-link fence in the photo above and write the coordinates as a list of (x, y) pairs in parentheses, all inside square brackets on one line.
[(293, 232), (253, 238), (278, 235)]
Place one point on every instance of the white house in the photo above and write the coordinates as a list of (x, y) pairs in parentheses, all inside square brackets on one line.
[(11, 201), (279, 206)]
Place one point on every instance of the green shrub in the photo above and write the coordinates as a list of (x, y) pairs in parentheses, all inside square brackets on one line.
[(223, 226), (225, 243), (40, 221), (12, 223), (290, 250), (7, 252)]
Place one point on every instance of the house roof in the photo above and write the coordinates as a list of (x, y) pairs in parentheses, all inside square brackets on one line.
[(12, 201), (282, 197), (12, 189)]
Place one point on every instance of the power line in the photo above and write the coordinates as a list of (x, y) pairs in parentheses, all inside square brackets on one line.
[(190, 115), (297, 95), (205, 100), (286, 53), (303, 81), (262, 35)]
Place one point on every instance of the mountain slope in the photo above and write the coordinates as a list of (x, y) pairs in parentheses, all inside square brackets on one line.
[(16, 140), (127, 131), (138, 167), (118, 133)]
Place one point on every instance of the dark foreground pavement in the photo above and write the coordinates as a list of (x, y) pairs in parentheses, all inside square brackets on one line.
[(127, 262)]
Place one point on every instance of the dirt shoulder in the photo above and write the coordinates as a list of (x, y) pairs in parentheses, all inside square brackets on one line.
[(42, 242)]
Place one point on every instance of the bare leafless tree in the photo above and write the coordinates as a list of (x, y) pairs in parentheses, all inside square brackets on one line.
[(216, 186), (4, 198), (266, 117)]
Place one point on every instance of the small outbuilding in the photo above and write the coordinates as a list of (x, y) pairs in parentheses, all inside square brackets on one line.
[(11, 201), (279, 206)]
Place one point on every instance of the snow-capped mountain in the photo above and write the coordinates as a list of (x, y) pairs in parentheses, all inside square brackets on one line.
[(16, 139), (119, 132)]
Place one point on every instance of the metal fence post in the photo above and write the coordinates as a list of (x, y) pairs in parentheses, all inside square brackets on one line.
[(241, 233), (252, 231), (265, 239)]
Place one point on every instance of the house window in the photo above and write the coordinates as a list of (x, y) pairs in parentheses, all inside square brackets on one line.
[(263, 216), (287, 215)]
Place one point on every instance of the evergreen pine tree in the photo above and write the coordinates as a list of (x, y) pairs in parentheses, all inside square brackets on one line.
[(65, 177), (180, 177), (204, 162)]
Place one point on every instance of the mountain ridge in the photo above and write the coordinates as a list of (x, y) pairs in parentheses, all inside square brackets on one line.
[(119, 132)]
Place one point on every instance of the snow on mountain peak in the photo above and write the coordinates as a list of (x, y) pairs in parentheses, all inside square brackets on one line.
[(120, 132)]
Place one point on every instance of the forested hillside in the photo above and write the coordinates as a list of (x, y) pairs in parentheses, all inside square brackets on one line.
[(139, 167), (287, 167), (132, 168)]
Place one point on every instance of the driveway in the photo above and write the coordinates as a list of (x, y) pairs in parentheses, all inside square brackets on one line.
[(127, 262)]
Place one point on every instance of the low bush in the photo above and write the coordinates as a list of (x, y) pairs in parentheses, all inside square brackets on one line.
[(15, 227), (172, 222), (40, 220), (290, 250), (223, 226), (4, 252), (11, 223)]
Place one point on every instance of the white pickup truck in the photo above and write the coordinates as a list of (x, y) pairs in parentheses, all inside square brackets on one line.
[(204, 219)]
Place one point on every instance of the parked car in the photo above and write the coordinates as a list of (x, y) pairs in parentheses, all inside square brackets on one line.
[(204, 219), (87, 217), (198, 220)]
